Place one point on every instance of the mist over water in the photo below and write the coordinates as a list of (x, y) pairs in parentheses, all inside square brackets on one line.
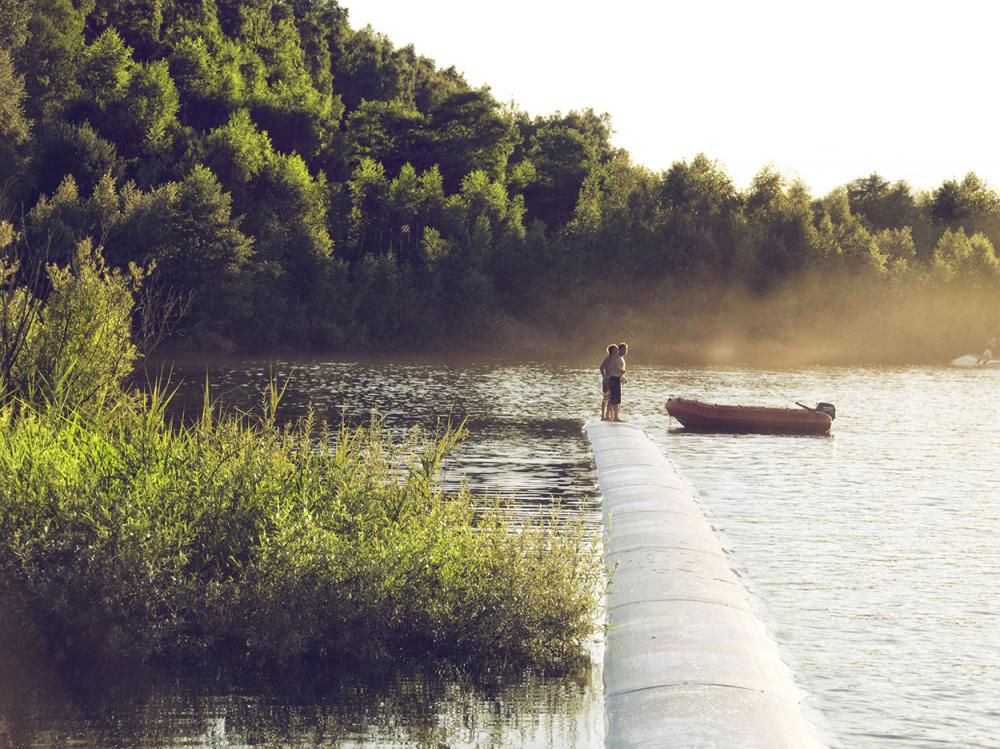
[(813, 319), (871, 552)]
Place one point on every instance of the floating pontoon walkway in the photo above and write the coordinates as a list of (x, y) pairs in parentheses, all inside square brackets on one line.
[(687, 661)]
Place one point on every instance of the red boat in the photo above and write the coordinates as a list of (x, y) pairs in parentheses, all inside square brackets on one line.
[(710, 417)]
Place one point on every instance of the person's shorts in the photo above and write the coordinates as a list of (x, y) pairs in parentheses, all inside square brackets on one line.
[(605, 385), (615, 384)]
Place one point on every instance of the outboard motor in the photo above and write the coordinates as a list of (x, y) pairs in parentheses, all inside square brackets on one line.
[(828, 408)]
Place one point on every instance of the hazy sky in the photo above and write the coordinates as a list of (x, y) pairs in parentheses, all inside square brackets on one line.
[(824, 91)]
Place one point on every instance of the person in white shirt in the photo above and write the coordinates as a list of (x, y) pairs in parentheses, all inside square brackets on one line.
[(616, 376)]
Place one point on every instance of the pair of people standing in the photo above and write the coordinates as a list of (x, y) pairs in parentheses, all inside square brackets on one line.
[(613, 376), (988, 353)]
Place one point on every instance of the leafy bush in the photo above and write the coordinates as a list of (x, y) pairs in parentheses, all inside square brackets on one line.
[(128, 535), (76, 345)]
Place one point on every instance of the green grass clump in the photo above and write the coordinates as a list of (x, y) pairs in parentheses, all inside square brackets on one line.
[(123, 534)]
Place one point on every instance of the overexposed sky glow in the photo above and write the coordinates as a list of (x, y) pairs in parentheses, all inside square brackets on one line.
[(824, 91)]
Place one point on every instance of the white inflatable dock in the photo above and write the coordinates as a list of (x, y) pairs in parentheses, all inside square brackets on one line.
[(687, 662)]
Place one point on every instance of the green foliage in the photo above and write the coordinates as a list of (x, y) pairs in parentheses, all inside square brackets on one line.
[(958, 255), (15, 128), (282, 96), (559, 153), (389, 132), (955, 202), (238, 151), (324, 137), (74, 349), (703, 216), (782, 230), (131, 537), (369, 68), (369, 191), (185, 231), (883, 205), (468, 133), (49, 58), (59, 223), (210, 84), (106, 68), (152, 104), (139, 21), (14, 15), (897, 244), (73, 150)]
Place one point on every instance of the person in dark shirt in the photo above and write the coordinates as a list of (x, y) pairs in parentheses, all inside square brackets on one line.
[(606, 382)]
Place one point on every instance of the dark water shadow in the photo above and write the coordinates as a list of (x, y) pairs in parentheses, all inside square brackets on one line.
[(45, 702)]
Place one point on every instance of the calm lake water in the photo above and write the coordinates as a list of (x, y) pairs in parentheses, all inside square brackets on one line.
[(871, 553)]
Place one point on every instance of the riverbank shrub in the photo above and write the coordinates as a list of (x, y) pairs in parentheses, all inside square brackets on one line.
[(125, 534)]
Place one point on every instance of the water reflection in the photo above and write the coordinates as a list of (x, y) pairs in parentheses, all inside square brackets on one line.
[(339, 706)]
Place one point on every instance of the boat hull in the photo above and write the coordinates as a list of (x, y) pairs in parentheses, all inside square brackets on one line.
[(711, 417), (973, 361)]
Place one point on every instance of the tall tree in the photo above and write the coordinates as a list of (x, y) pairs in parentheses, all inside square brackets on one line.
[(15, 129), (469, 133), (50, 56)]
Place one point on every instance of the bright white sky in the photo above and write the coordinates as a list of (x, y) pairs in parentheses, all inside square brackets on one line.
[(826, 91)]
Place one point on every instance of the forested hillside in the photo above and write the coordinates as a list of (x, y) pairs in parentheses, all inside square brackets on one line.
[(301, 183)]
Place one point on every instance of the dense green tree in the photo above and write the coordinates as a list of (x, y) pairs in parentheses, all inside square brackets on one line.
[(843, 239), (15, 128), (368, 68), (282, 96), (150, 108), (140, 22), (209, 80), (77, 150), (186, 19), (313, 19), (403, 204), (433, 85), (106, 67), (955, 203), (615, 220), (561, 158), (14, 16), (703, 222), (186, 230), (467, 132), (56, 225), (238, 152), (389, 132), (79, 345), (971, 204), (897, 245), (50, 56), (882, 204), (369, 189), (959, 255), (290, 224), (782, 234)]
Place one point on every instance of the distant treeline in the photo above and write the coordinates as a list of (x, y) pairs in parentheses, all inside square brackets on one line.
[(307, 184)]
